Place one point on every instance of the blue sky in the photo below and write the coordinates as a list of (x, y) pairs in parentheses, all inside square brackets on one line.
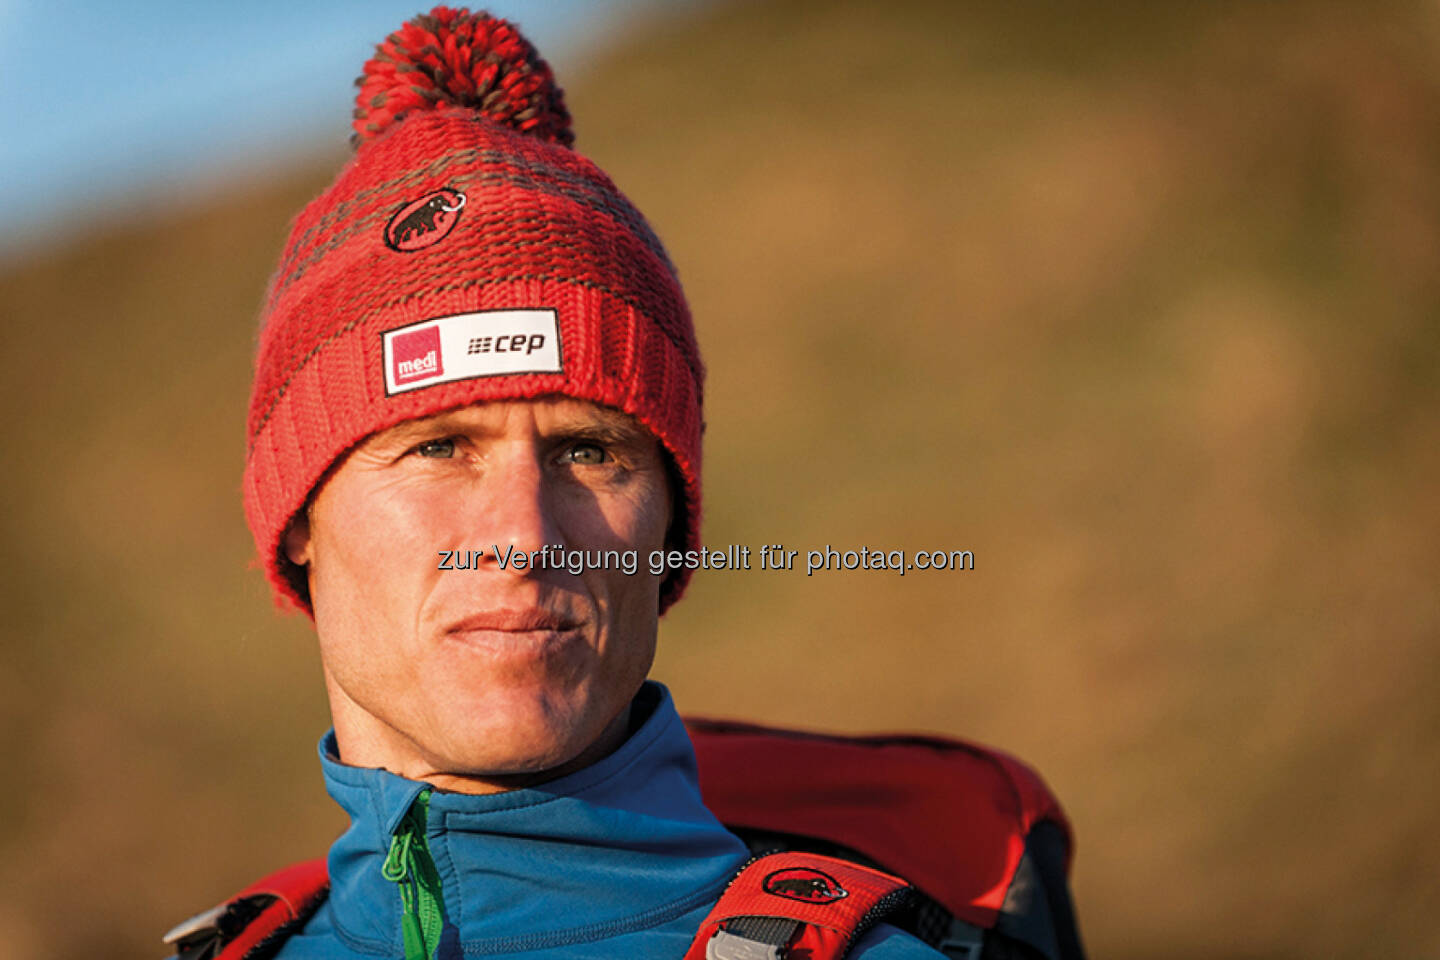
[(114, 101)]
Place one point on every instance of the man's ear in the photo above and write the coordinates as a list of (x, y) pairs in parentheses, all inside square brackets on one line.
[(296, 541)]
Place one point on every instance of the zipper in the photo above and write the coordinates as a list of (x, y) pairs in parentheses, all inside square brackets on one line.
[(410, 867)]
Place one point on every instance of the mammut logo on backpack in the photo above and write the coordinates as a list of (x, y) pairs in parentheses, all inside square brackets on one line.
[(424, 222), (805, 885)]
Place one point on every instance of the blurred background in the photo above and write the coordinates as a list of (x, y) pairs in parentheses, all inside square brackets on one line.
[(1138, 302)]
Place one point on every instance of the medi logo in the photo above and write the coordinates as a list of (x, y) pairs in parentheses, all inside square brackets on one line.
[(416, 355)]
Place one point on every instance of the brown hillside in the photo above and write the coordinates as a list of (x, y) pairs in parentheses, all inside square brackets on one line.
[(1137, 304)]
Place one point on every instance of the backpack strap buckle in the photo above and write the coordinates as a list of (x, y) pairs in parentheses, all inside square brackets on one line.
[(802, 903), (730, 946)]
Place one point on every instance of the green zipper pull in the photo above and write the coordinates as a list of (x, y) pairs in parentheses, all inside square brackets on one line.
[(408, 864)]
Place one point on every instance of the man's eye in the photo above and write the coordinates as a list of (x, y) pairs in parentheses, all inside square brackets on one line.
[(436, 449), (586, 453)]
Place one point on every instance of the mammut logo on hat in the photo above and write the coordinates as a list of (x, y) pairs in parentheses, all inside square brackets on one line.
[(424, 222), (805, 885), (416, 355)]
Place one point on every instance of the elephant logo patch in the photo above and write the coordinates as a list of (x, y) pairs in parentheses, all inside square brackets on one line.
[(424, 222), (805, 885)]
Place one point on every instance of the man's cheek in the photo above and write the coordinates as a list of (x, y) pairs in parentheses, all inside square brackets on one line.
[(638, 519), (394, 541)]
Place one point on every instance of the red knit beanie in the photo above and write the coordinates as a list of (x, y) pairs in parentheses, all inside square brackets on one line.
[(464, 254)]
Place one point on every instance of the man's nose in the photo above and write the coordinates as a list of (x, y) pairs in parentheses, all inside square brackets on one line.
[(518, 506)]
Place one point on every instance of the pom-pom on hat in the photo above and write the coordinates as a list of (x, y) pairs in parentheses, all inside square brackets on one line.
[(455, 58), (466, 253)]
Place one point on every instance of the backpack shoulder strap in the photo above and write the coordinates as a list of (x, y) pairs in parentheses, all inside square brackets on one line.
[(796, 904), (951, 816), (979, 834), (253, 923)]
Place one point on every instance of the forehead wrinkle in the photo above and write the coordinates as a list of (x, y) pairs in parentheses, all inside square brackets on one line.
[(417, 429), (557, 417)]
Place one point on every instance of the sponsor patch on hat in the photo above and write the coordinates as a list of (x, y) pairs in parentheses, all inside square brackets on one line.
[(468, 345), (424, 222)]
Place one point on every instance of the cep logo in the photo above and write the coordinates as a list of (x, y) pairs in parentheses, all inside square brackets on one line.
[(805, 885), (424, 222), (416, 355)]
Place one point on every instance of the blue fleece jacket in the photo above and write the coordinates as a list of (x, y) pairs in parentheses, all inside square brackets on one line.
[(621, 859)]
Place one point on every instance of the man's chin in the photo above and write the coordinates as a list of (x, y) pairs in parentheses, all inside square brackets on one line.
[(526, 743)]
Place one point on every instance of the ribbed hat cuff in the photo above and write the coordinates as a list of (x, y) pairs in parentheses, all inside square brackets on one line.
[(337, 399)]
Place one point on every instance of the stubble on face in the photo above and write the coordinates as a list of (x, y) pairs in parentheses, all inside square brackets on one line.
[(491, 678)]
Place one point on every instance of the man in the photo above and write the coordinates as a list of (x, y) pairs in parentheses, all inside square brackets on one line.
[(473, 341)]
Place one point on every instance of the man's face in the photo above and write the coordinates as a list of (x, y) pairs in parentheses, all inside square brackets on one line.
[(485, 672)]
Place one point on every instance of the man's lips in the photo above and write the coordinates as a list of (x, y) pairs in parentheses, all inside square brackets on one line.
[(519, 620)]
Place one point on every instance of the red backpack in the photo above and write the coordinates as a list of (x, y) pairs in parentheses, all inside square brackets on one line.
[(982, 845)]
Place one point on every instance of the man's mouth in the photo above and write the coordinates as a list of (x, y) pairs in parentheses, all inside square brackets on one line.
[(515, 620)]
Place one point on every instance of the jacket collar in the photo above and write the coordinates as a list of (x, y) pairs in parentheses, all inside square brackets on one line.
[(623, 844)]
